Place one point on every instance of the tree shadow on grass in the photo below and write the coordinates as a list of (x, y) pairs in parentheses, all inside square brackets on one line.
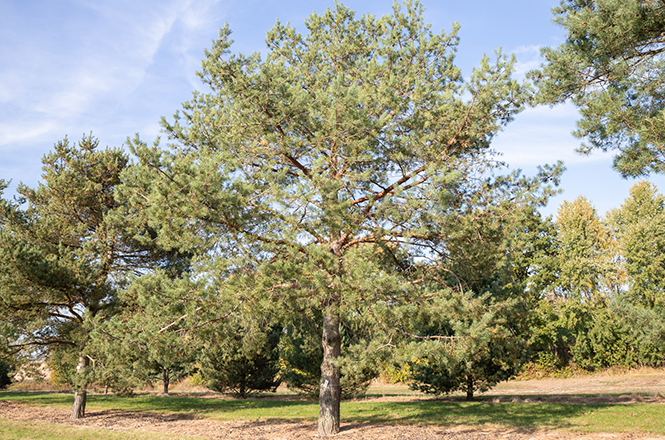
[(450, 413), (159, 403), (509, 412)]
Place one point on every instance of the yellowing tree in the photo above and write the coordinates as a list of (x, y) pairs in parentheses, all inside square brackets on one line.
[(585, 262), (640, 225)]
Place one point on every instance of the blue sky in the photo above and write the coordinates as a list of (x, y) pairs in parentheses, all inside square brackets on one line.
[(113, 68)]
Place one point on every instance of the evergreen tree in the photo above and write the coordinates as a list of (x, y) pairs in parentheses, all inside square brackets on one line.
[(62, 260), (476, 337), (148, 338), (353, 139), (611, 67), (6, 371), (301, 356), (480, 348), (241, 359)]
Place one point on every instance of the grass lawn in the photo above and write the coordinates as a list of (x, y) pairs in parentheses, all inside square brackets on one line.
[(581, 417), (14, 430)]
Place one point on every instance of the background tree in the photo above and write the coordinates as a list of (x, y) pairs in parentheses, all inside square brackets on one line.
[(6, 372), (10, 360), (640, 226), (241, 358), (584, 260), (149, 339), (611, 67), (301, 355), (61, 258), (348, 140), (618, 320), (480, 327), (478, 350), (555, 326)]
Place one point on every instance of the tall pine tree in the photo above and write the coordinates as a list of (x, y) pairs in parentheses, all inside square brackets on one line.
[(347, 142)]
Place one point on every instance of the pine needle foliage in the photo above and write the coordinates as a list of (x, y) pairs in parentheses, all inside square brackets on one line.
[(63, 256), (611, 67), (358, 138)]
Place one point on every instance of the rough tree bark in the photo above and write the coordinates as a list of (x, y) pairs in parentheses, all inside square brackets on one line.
[(330, 394), (165, 379), (80, 394), (469, 388)]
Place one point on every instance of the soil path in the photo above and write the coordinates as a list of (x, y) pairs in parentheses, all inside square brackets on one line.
[(558, 390)]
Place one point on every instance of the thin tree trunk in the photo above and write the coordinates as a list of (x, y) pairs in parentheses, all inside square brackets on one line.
[(469, 388), (80, 394), (330, 394), (165, 379)]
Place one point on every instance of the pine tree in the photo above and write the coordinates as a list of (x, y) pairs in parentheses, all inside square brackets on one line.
[(349, 141), (479, 347), (148, 338), (611, 67), (241, 359), (301, 355), (474, 333), (62, 259)]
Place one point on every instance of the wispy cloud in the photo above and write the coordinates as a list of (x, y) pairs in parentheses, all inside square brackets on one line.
[(17, 133), (53, 76), (528, 58), (200, 20), (543, 135)]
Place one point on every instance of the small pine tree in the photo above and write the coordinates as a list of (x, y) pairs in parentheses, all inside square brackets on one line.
[(241, 360), (481, 351)]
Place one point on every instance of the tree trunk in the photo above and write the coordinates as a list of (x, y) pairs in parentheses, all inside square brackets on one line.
[(330, 393), (469, 388), (80, 394), (165, 379)]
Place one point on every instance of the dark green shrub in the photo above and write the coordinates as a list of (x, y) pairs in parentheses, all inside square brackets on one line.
[(241, 360), (5, 374), (555, 326), (623, 335), (594, 336)]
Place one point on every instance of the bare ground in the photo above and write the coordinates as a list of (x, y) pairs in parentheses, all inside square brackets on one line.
[(626, 388)]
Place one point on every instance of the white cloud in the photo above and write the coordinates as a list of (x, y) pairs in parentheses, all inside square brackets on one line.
[(12, 133), (54, 78), (200, 22), (543, 135), (528, 58)]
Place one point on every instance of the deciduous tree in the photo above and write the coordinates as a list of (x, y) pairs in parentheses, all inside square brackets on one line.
[(640, 227), (584, 262)]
